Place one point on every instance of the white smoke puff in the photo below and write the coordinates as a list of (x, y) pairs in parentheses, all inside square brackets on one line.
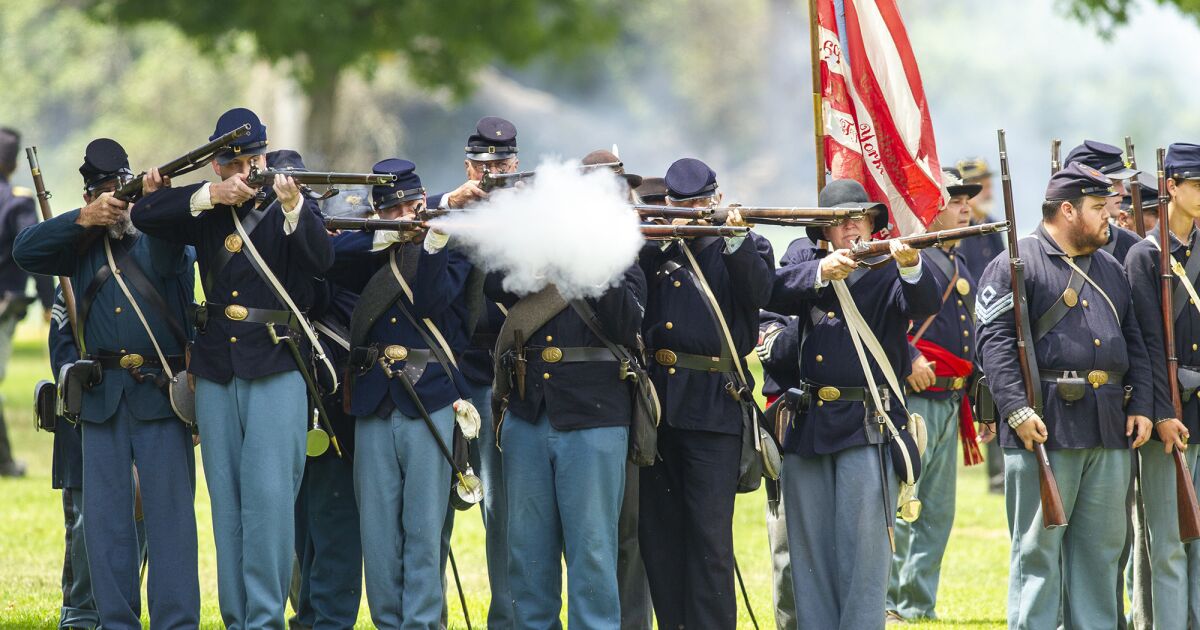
[(567, 227)]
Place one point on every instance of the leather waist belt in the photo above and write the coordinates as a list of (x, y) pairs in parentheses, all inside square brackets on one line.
[(555, 354), (1095, 377), (133, 360), (698, 362), (239, 313), (950, 383), (830, 393)]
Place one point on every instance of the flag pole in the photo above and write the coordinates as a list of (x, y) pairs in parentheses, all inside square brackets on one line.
[(814, 39)]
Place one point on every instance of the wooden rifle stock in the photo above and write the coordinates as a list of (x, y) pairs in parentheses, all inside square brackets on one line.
[(690, 231), (1185, 489), (872, 249), (260, 177), (786, 216), (1053, 512), (1135, 190), (131, 190), (43, 195)]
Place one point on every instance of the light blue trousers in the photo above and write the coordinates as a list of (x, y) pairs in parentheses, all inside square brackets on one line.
[(782, 594), (564, 493), (252, 433), (1066, 573), (837, 537), (486, 459), (920, 546), (1175, 567), (402, 482)]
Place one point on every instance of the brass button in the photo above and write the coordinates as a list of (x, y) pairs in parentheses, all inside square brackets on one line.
[(1195, 347), (670, 325), (820, 403), (959, 302), (670, 370), (962, 318), (1191, 301), (233, 340), (831, 315), (966, 333), (1084, 303), (545, 376), (677, 284), (966, 349), (234, 294), (549, 338), (820, 358), (1188, 253), (117, 310), (393, 320), (123, 350), (1097, 342)]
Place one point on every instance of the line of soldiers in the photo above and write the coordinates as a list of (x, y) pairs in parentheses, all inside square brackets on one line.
[(424, 369)]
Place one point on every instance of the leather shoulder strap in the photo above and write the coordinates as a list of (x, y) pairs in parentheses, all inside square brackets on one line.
[(223, 255), (1060, 308)]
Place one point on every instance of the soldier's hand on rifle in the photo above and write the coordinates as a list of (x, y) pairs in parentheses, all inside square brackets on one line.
[(837, 266), (734, 218), (153, 181), (1172, 433), (230, 192), (465, 194), (1032, 430), (923, 376), (103, 211), (286, 191), (985, 432), (905, 255), (1141, 425)]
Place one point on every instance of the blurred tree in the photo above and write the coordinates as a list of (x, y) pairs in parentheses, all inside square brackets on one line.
[(442, 44), (1109, 14)]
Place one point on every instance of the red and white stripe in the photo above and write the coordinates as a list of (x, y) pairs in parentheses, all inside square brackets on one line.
[(877, 125)]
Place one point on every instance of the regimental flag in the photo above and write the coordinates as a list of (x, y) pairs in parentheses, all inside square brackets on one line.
[(876, 119)]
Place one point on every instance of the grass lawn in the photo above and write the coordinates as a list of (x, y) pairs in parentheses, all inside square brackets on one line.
[(974, 575)]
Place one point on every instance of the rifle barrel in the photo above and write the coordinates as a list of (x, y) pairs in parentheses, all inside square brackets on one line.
[(871, 249), (1053, 512), (258, 178), (43, 196), (190, 161), (1135, 190), (658, 232), (371, 225), (1055, 162), (794, 216)]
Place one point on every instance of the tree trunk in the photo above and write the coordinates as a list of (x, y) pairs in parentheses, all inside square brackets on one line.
[(321, 141)]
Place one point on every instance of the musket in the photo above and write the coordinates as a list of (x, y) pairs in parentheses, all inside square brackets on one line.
[(258, 177), (666, 232), (793, 216), (131, 190), (1053, 513), (371, 225), (1185, 490), (1055, 162), (1135, 190), (43, 196), (872, 249), (491, 181)]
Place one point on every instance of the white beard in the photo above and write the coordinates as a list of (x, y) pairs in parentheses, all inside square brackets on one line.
[(122, 228)]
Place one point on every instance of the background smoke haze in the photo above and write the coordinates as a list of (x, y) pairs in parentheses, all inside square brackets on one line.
[(566, 227)]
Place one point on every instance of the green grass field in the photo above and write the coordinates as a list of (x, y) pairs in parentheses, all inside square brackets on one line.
[(974, 575)]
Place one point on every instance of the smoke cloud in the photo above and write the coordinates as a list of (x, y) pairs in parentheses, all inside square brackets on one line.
[(565, 227)]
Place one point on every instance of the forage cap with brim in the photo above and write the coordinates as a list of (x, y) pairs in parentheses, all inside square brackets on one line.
[(407, 186), (103, 160), (286, 159), (351, 202), (1183, 161), (494, 139), (1079, 180), (1103, 157), (601, 157), (688, 179), (653, 191), (973, 169), (10, 145), (1148, 184), (848, 193), (955, 186), (253, 144)]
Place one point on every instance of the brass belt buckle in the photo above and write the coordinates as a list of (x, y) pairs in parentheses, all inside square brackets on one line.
[(552, 354), (829, 393), (395, 353), (132, 361), (665, 357), (236, 312), (958, 382), (1097, 378)]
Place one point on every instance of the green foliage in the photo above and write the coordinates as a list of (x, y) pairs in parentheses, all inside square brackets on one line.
[(1109, 14), (443, 42)]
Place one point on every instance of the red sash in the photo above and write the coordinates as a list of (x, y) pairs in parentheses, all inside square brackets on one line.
[(947, 364)]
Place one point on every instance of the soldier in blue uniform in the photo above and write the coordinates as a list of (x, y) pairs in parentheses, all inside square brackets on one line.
[(942, 350), (1175, 567), (79, 607), (1089, 353), (1149, 189), (1108, 160), (17, 212), (687, 496), (127, 418), (493, 146), (563, 414), (251, 403), (840, 556), (410, 329)]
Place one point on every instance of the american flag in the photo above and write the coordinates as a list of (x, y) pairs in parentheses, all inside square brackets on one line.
[(873, 109)]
